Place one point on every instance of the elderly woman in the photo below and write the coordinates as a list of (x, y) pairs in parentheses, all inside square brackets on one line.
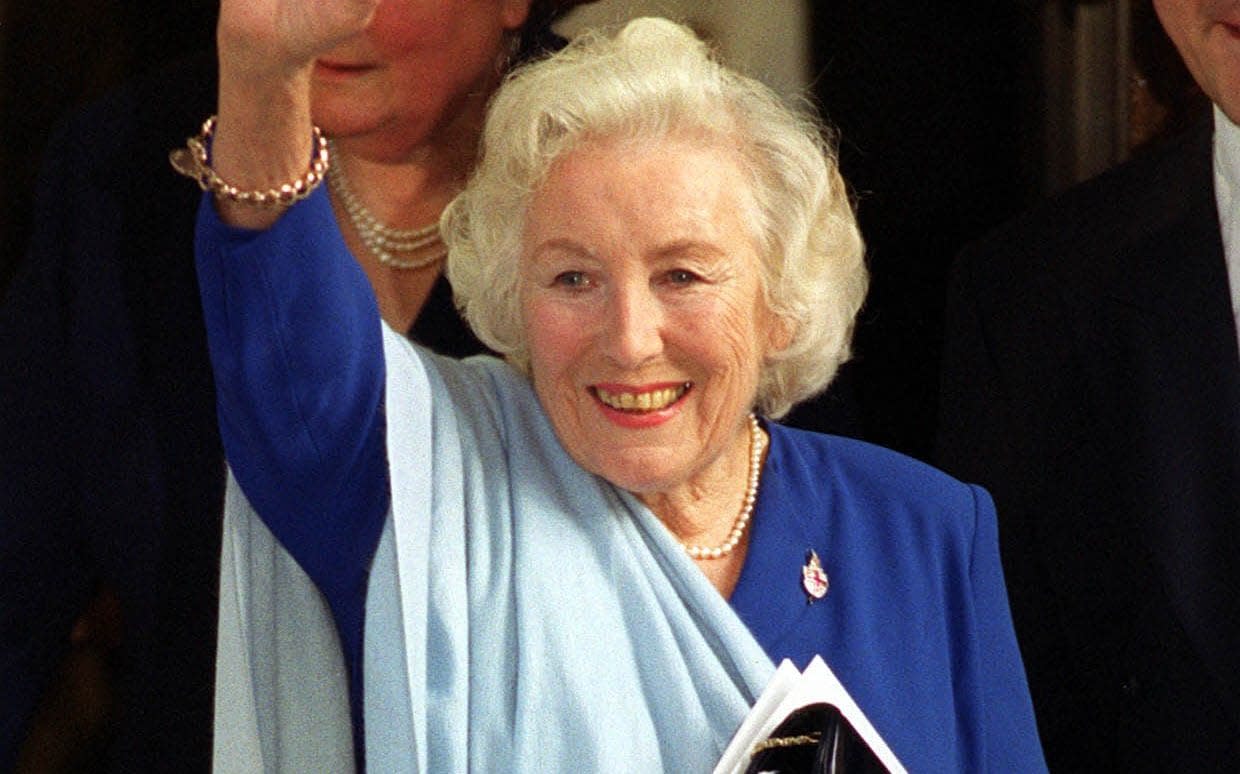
[(587, 555)]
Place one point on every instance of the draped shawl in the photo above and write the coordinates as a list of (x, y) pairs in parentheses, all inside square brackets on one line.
[(521, 614)]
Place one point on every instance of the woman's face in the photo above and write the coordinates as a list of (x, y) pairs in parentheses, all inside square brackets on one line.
[(420, 67), (643, 307)]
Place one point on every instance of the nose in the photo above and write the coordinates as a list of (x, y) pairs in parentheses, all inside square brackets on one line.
[(632, 325)]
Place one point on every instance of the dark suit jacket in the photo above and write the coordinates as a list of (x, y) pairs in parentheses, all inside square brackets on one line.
[(111, 469), (1092, 382)]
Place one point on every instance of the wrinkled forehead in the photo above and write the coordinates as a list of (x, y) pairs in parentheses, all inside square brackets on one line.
[(650, 198)]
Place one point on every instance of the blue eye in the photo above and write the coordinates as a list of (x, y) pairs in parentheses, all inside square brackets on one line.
[(570, 279)]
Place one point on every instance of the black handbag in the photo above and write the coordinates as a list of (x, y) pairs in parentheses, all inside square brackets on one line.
[(818, 739)]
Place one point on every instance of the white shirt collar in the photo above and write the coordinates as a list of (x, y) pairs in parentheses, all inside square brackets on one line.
[(1227, 196)]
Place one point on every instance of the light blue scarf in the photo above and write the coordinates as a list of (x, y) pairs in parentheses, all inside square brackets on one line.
[(522, 614)]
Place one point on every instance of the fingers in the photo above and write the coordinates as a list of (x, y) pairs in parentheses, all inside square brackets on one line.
[(267, 50), (274, 36)]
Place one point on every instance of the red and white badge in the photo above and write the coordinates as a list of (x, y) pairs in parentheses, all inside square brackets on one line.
[(814, 578)]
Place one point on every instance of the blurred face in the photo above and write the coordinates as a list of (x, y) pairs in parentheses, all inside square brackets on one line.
[(1207, 34), (642, 302), (421, 67)]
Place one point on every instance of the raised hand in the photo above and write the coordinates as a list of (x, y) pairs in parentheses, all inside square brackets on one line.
[(267, 50), (273, 36)]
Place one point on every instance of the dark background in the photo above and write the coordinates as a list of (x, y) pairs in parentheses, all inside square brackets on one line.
[(932, 104), (938, 106), (56, 55)]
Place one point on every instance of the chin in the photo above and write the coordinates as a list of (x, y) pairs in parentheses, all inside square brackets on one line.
[(636, 477)]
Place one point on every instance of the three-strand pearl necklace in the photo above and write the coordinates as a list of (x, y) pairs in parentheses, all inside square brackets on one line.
[(756, 447), (384, 242)]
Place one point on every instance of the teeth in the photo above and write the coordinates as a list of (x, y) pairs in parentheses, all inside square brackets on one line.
[(644, 401)]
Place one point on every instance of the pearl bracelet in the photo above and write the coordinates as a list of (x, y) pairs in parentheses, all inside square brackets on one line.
[(192, 161)]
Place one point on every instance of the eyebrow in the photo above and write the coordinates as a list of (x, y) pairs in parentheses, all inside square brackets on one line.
[(688, 245), (672, 249), (562, 244)]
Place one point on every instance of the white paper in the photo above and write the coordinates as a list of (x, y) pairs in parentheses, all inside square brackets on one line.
[(789, 690)]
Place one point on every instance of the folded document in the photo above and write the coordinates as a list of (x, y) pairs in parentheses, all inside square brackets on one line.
[(806, 721)]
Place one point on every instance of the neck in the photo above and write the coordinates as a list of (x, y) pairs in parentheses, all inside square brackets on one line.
[(407, 182), (704, 511), (403, 194)]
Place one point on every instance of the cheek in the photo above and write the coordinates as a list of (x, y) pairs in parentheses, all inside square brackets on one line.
[(558, 345), (742, 339), (773, 332), (400, 26), (722, 335), (448, 35), (556, 333)]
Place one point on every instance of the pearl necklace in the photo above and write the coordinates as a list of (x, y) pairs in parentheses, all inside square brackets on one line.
[(381, 240), (756, 446)]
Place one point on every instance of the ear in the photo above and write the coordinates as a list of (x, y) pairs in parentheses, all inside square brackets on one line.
[(513, 13), (779, 333)]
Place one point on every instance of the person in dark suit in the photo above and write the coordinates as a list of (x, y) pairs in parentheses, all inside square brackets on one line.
[(1091, 381), (111, 468)]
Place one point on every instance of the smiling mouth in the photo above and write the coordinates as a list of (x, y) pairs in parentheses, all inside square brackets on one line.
[(641, 402)]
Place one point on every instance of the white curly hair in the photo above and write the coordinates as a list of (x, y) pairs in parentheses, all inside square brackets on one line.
[(650, 79)]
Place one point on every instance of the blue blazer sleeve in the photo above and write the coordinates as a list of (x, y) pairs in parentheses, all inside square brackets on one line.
[(1011, 739), (294, 336)]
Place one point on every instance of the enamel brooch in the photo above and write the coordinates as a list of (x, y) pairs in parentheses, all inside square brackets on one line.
[(813, 578)]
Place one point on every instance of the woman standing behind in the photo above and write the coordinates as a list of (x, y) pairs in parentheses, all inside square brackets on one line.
[(584, 557), (403, 103)]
